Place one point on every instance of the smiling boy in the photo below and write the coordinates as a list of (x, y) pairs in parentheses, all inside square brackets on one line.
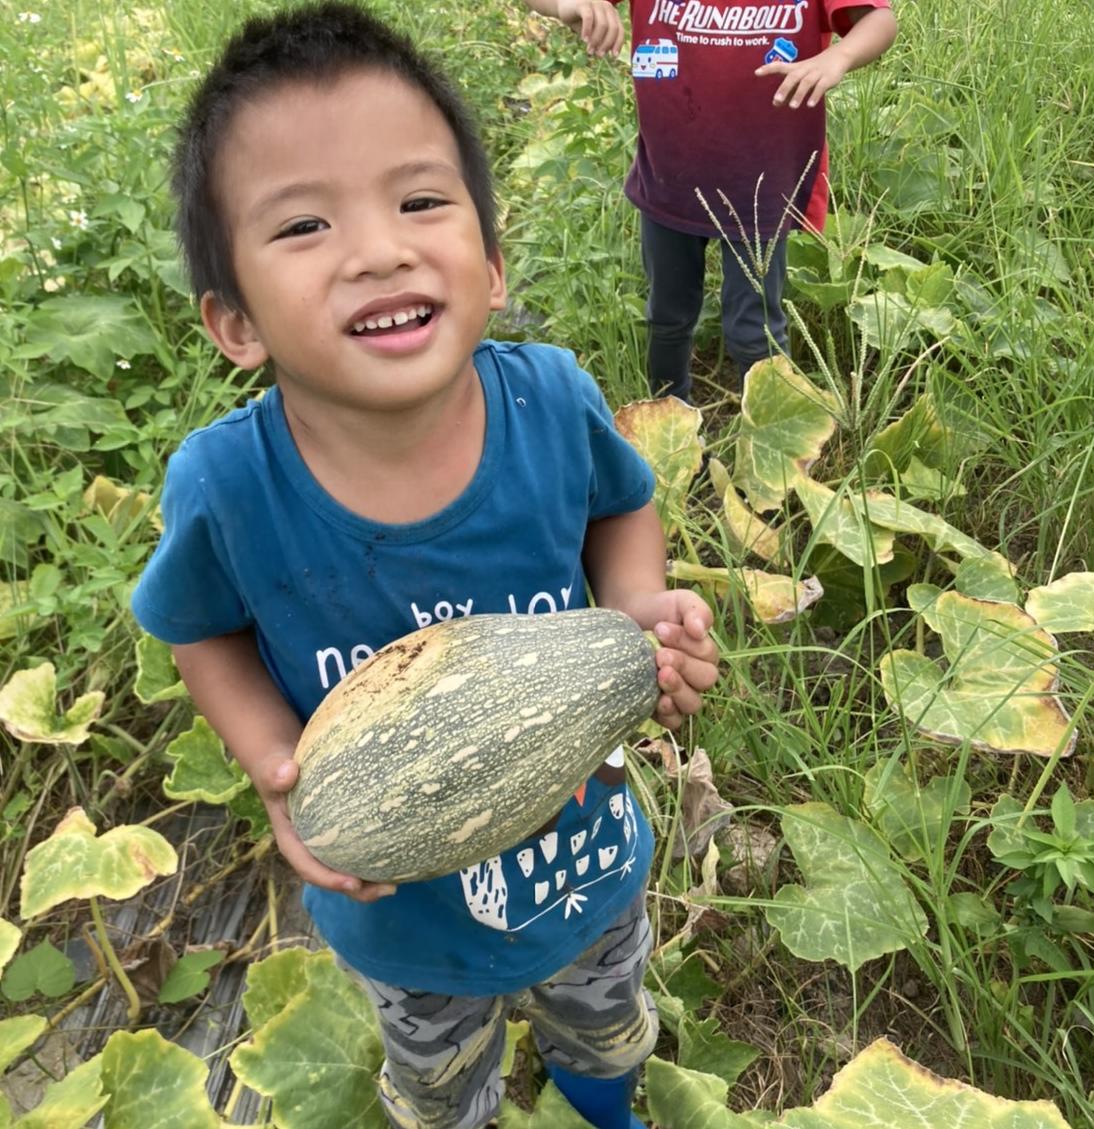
[(336, 213)]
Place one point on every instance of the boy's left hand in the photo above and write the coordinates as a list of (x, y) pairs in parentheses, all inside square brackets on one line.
[(687, 660)]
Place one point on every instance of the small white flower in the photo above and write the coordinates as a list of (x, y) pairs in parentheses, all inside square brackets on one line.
[(57, 244), (124, 364), (29, 18), (78, 219), (134, 95)]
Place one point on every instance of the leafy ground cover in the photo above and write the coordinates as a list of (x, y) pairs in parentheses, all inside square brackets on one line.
[(882, 826)]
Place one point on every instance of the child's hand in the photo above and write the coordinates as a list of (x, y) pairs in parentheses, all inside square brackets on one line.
[(687, 660), (596, 21), (808, 80), (273, 779)]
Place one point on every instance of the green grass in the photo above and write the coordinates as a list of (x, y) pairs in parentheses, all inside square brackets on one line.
[(971, 145)]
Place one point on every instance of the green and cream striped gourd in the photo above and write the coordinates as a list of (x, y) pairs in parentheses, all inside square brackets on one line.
[(458, 741)]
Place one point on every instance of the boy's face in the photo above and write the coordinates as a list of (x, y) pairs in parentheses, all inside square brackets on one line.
[(356, 245)]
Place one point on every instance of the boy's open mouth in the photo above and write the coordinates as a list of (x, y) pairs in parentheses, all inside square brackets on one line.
[(393, 321)]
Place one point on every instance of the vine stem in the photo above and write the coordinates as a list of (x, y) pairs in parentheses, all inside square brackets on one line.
[(134, 1010)]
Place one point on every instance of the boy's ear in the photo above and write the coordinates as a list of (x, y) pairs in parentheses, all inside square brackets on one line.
[(232, 332), (496, 266)]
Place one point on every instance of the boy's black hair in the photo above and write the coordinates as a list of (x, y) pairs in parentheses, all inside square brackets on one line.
[(316, 43)]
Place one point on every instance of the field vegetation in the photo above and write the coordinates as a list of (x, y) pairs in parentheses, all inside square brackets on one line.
[(896, 534)]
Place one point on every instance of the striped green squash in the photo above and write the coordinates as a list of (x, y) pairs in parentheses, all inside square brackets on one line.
[(458, 741)]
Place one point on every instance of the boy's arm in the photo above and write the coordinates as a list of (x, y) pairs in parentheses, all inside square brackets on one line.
[(234, 692), (624, 559), (871, 34), (596, 21)]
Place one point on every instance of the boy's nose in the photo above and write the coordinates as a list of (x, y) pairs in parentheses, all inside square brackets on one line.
[(378, 247)]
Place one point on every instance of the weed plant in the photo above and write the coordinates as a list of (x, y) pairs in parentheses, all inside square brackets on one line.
[(970, 146)]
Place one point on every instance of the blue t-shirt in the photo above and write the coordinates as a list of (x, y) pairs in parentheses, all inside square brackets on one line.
[(252, 541)]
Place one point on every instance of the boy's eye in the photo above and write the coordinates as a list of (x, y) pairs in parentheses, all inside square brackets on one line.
[(423, 204), (301, 227)]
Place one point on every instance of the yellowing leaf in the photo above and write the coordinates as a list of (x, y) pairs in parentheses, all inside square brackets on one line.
[(202, 770), (157, 676), (902, 517), (997, 690), (76, 863), (1064, 605), (748, 532), (28, 708), (18, 1035), (119, 504), (838, 522), (9, 941), (665, 433), (774, 598), (152, 1082), (71, 1102), (785, 423)]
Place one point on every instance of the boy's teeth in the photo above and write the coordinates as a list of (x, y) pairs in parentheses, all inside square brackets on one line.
[(397, 317)]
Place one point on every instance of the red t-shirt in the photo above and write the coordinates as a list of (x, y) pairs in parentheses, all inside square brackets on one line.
[(706, 121)]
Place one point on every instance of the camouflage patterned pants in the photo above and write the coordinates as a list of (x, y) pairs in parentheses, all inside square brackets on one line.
[(443, 1064)]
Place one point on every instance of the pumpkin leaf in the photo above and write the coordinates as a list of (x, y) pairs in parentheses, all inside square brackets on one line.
[(918, 435), (774, 598), (679, 1098), (748, 532), (705, 1047), (996, 692), (71, 1102), (921, 481), (853, 905), (15, 616), (28, 708), (665, 433), (43, 969), (838, 522), (272, 983), (10, 936), (120, 505), (552, 1111), (883, 1089), (987, 578), (17, 1035), (153, 1082), (319, 1056), (157, 676), (1064, 605), (785, 422), (202, 770), (76, 863), (902, 517), (912, 817)]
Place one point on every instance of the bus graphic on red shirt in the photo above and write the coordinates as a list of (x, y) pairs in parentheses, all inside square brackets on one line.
[(655, 58)]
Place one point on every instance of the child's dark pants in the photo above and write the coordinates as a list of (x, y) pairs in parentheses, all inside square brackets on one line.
[(443, 1053), (675, 264)]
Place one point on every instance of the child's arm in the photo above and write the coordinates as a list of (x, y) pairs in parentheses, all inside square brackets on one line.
[(871, 34), (596, 21), (624, 560), (234, 692)]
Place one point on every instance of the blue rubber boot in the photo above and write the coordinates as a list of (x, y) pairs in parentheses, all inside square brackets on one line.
[(603, 1102)]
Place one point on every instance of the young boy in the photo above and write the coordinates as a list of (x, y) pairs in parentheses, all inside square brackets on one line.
[(336, 212), (712, 84)]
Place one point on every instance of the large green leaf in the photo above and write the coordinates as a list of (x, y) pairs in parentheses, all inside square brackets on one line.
[(201, 769), (18, 1035), (28, 708), (665, 433), (785, 422), (76, 863), (839, 523), (882, 1089), (902, 517), (853, 905), (912, 817), (154, 1084), (1064, 605), (71, 1102), (319, 1056), (878, 1089), (997, 691), (90, 330), (273, 982)]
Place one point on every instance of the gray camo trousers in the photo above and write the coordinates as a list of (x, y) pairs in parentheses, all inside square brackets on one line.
[(442, 1068)]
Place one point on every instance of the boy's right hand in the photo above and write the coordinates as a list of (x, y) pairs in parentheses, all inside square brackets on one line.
[(596, 21), (274, 779)]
